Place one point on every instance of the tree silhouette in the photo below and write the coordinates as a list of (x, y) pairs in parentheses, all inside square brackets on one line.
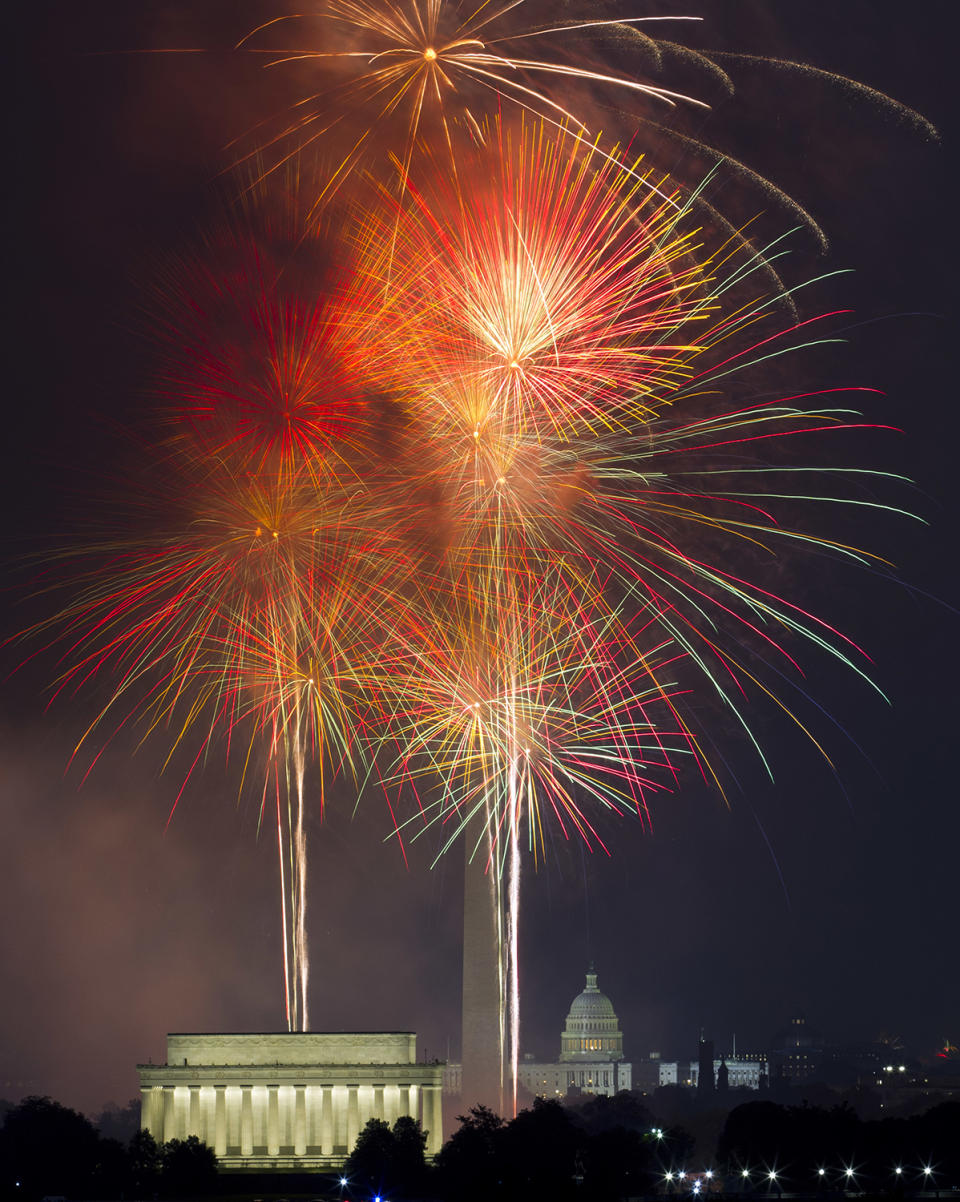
[(469, 1163), (385, 1159), (188, 1168), (143, 1163), (372, 1158), (541, 1148), (410, 1161), (48, 1148)]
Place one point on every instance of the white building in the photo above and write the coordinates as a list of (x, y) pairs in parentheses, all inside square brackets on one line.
[(741, 1074), (288, 1101), (591, 1051), (555, 1080)]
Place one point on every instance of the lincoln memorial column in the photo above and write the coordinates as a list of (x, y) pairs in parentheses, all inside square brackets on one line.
[(326, 1120), (353, 1115), (273, 1120), (207, 1097), (246, 1121), (391, 1107), (151, 1111), (220, 1120), (169, 1130), (432, 1118), (403, 1102), (299, 1120), (194, 1121), (378, 1112)]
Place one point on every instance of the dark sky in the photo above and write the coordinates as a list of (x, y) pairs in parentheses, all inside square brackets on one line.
[(836, 898)]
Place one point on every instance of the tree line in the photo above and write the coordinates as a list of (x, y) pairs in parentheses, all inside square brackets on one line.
[(594, 1149), (49, 1150), (606, 1149)]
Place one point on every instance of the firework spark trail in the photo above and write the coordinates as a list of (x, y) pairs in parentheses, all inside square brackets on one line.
[(300, 853)]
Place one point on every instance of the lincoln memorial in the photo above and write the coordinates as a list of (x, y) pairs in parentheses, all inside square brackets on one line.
[(288, 1101)]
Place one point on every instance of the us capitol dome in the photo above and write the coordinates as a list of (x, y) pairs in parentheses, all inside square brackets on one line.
[(591, 1051), (593, 1030)]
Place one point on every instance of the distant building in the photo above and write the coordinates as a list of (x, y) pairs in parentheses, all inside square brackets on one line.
[(796, 1053), (288, 1101), (646, 1073), (741, 1074), (706, 1072)]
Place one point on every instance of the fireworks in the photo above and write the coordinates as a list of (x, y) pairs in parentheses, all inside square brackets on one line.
[(463, 490), (550, 302), (384, 78)]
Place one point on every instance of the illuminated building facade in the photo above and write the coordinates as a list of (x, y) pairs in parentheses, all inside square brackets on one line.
[(592, 1032), (591, 1053), (288, 1101), (740, 1074)]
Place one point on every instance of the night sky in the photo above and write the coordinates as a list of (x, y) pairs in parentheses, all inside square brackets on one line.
[(837, 897)]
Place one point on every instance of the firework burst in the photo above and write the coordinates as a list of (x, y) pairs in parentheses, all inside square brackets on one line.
[(427, 70), (550, 302)]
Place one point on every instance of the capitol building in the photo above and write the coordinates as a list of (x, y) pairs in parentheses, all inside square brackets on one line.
[(591, 1052)]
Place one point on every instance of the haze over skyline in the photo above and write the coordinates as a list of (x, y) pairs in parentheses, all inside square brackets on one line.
[(804, 895)]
